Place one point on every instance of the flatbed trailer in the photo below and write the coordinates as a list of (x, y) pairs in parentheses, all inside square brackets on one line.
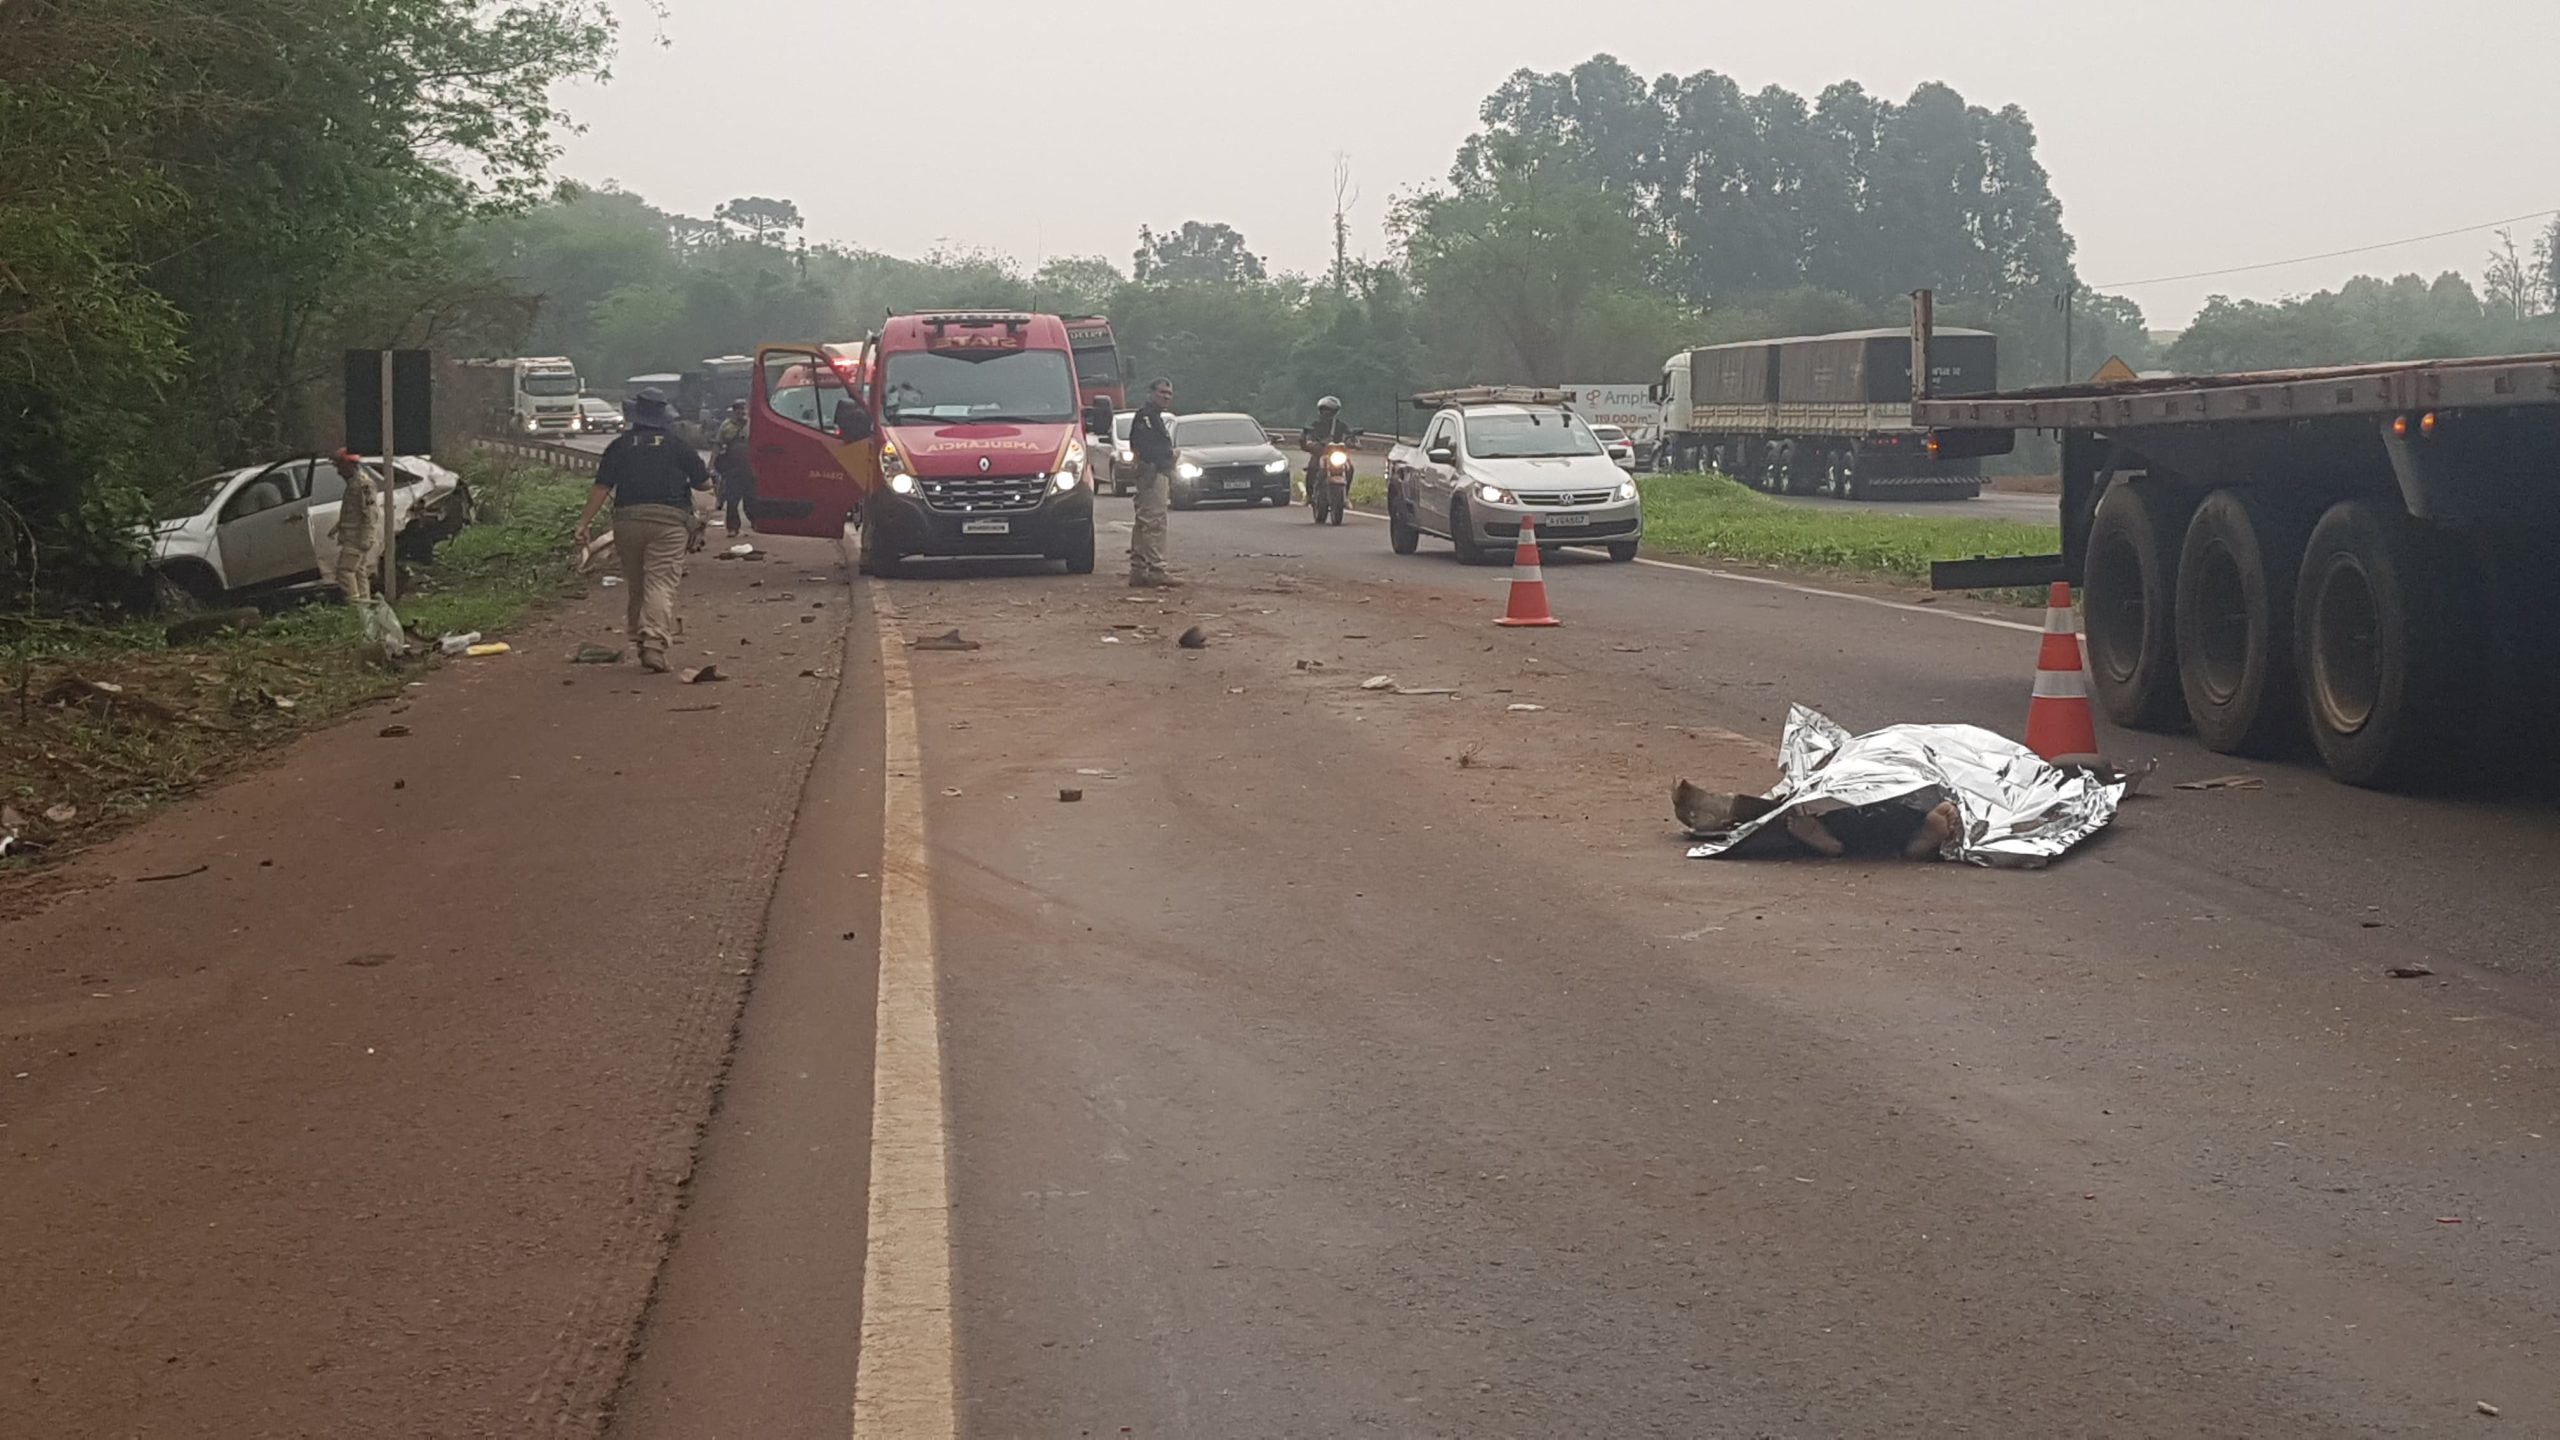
[(2362, 553)]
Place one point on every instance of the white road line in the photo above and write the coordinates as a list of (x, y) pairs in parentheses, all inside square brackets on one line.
[(1902, 605), (903, 1383)]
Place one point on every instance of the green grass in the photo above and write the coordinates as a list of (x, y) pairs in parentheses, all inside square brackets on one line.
[(1711, 517), (191, 713)]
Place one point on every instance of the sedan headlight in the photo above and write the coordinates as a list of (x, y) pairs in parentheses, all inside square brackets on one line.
[(1187, 470), (1626, 489), (1128, 456), (1494, 495), (1276, 467)]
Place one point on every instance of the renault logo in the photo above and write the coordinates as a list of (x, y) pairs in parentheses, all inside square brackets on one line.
[(985, 464)]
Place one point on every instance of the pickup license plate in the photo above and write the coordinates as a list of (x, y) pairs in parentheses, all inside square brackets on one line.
[(1566, 521), (986, 527), (1237, 484)]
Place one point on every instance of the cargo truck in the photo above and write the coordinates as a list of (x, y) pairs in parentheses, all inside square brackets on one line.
[(1821, 414), (2358, 555)]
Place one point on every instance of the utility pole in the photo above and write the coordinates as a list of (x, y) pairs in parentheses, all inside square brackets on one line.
[(1344, 197), (2067, 303)]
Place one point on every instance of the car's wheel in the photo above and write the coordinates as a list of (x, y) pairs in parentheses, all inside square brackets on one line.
[(2379, 644), (1403, 536), (1622, 551), (2132, 600), (877, 558), (1462, 535), (1079, 553), (2237, 572), (183, 589), (1185, 499)]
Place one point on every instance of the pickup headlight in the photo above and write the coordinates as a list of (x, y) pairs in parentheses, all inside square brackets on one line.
[(1276, 467), (1127, 456), (1626, 489), (1187, 470), (1495, 495)]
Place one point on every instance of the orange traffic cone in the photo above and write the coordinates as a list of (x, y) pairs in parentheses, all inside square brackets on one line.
[(2058, 718), (1528, 581)]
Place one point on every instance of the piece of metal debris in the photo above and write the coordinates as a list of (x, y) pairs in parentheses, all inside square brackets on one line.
[(949, 640), (2227, 782)]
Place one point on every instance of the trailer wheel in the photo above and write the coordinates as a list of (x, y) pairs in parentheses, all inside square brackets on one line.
[(2237, 573), (2379, 646), (2132, 594)]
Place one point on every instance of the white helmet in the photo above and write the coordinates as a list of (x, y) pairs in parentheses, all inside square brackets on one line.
[(1329, 403)]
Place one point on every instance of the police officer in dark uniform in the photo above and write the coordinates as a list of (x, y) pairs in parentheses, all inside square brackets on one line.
[(650, 478)]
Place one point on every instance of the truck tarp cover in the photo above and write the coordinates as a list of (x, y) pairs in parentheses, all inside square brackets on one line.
[(1874, 367)]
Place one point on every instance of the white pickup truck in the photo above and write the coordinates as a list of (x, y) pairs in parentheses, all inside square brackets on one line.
[(1493, 455)]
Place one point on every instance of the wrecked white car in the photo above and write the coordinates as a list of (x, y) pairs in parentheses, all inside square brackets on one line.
[(263, 529)]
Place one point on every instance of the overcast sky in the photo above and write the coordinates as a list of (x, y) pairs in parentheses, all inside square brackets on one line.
[(2181, 135)]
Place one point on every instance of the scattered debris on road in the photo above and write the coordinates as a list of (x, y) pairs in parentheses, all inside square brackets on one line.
[(949, 640), (2485, 1408), (1524, 709), (393, 732), (705, 675), (2227, 782), (1983, 798), (596, 655), (2408, 972), (1069, 797), (178, 875), (1379, 682), (1194, 638)]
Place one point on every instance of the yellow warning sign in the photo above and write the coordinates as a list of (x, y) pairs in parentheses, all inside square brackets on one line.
[(2114, 372)]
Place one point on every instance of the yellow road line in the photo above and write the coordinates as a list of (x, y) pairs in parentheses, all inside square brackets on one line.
[(903, 1383)]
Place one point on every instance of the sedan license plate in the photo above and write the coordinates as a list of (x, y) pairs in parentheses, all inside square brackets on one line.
[(1567, 521), (986, 527), (1237, 484)]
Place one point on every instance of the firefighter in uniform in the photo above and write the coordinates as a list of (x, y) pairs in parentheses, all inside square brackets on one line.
[(736, 469), (650, 478), (359, 528)]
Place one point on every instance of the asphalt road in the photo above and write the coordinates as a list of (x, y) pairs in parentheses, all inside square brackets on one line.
[(609, 1055), (1341, 1063)]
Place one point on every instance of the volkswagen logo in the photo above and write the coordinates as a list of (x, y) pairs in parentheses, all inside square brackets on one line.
[(985, 464)]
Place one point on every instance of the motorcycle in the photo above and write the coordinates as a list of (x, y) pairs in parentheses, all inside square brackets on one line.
[(1329, 487)]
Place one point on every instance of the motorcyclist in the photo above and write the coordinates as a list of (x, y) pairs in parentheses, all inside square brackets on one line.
[(1325, 434)]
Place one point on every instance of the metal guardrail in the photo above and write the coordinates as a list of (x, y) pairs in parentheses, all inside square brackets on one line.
[(536, 452)]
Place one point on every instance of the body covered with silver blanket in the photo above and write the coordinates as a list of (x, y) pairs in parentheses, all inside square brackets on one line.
[(2017, 810)]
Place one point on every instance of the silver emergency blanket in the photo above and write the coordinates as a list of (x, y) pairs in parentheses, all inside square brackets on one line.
[(2017, 810)]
